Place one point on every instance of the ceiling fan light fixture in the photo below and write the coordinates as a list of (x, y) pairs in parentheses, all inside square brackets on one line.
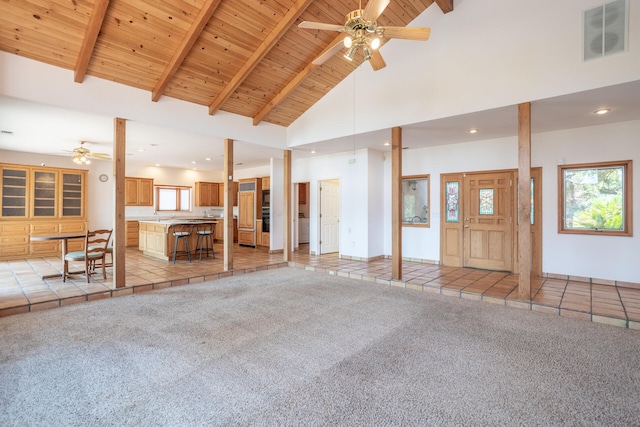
[(367, 53), (375, 43), (350, 53), (348, 42)]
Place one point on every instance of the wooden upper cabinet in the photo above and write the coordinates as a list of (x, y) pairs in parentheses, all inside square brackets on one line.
[(45, 200), (234, 194), (266, 183), (207, 194), (73, 200), (41, 192), (302, 193), (138, 191), (14, 192)]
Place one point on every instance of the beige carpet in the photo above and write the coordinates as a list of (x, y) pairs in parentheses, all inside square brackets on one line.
[(290, 347)]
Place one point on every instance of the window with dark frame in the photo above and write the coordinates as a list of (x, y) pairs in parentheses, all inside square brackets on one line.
[(595, 198)]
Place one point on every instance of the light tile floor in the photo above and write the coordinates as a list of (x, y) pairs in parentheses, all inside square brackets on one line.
[(22, 289)]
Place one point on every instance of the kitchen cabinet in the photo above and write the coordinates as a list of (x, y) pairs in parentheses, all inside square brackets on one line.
[(266, 183), (302, 193), (219, 231), (207, 194), (44, 198), (156, 237), (303, 230), (14, 192), (132, 232), (248, 210), (40, 200), (234, 194), (73, 189), (138, 191)]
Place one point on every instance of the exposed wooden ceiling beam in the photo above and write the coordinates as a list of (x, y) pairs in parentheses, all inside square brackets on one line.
[(445, 5), (90, 38), (264, 48), (293, 84), (185, 47)]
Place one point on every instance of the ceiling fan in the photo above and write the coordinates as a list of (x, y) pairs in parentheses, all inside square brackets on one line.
[(362, 31), (81, 155)]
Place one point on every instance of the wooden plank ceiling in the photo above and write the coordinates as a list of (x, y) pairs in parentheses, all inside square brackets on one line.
[(242, 56)]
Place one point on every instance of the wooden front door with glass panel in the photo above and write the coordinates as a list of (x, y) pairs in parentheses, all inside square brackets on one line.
[(487, 221), (478, 222)]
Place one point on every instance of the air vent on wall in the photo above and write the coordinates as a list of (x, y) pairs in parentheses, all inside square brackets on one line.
[(605, 30)]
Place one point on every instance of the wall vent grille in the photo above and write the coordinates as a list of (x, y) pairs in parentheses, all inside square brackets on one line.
[(605, 30)]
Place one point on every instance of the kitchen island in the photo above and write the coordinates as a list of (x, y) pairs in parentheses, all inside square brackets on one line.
[(156, 237)]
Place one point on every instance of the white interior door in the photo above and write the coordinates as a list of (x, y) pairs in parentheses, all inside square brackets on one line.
[(295, 224), (329, 216)]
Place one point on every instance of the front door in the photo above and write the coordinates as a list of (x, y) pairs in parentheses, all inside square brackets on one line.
[(487, 220)]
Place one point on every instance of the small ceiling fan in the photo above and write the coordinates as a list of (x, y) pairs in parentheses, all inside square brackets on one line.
[(362, 31), (82, 155)]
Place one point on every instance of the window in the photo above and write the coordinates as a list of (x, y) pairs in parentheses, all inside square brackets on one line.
[(415, 200), (173, 198), (595, 198)]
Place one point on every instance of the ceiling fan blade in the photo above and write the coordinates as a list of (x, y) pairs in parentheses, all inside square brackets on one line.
[(376, 61), (374, 9), (99, 156), (338, 44), (406, 33), (320, 26)]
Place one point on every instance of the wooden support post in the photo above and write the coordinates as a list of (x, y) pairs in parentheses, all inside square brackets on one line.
[(228, 205), (119, 235), (396, 203), (524, 201), (287, 207)]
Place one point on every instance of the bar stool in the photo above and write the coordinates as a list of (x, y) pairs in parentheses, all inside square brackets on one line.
[(181, 232), (205, 240)]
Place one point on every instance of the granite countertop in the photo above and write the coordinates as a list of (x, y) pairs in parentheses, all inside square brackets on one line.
[(173, 221)]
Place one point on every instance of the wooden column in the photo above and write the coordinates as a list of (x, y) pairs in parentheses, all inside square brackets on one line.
[(287, 252), (396, 203), (228, 205), (119, 234), (524, 201)]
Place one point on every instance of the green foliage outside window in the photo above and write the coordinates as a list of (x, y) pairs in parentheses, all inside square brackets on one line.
[(594, 197)]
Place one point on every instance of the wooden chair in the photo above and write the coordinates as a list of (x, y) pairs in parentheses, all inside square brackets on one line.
[(95, 249)]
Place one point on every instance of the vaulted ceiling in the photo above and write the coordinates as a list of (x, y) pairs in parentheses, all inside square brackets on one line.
[(246, 57)]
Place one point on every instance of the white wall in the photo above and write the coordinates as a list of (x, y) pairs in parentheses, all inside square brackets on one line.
[(276, 232), (604, 257), (483, 55), (351, 169)]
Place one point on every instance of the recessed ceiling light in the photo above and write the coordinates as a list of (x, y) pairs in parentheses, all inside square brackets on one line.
[(387, 143), (473, 130), (158, 165), (193, 163), (313, 151), (154, 145), (207, 158), (602, 111), (141, 149)]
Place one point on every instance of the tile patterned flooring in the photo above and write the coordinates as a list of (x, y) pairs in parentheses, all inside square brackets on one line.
[(22, 289)]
